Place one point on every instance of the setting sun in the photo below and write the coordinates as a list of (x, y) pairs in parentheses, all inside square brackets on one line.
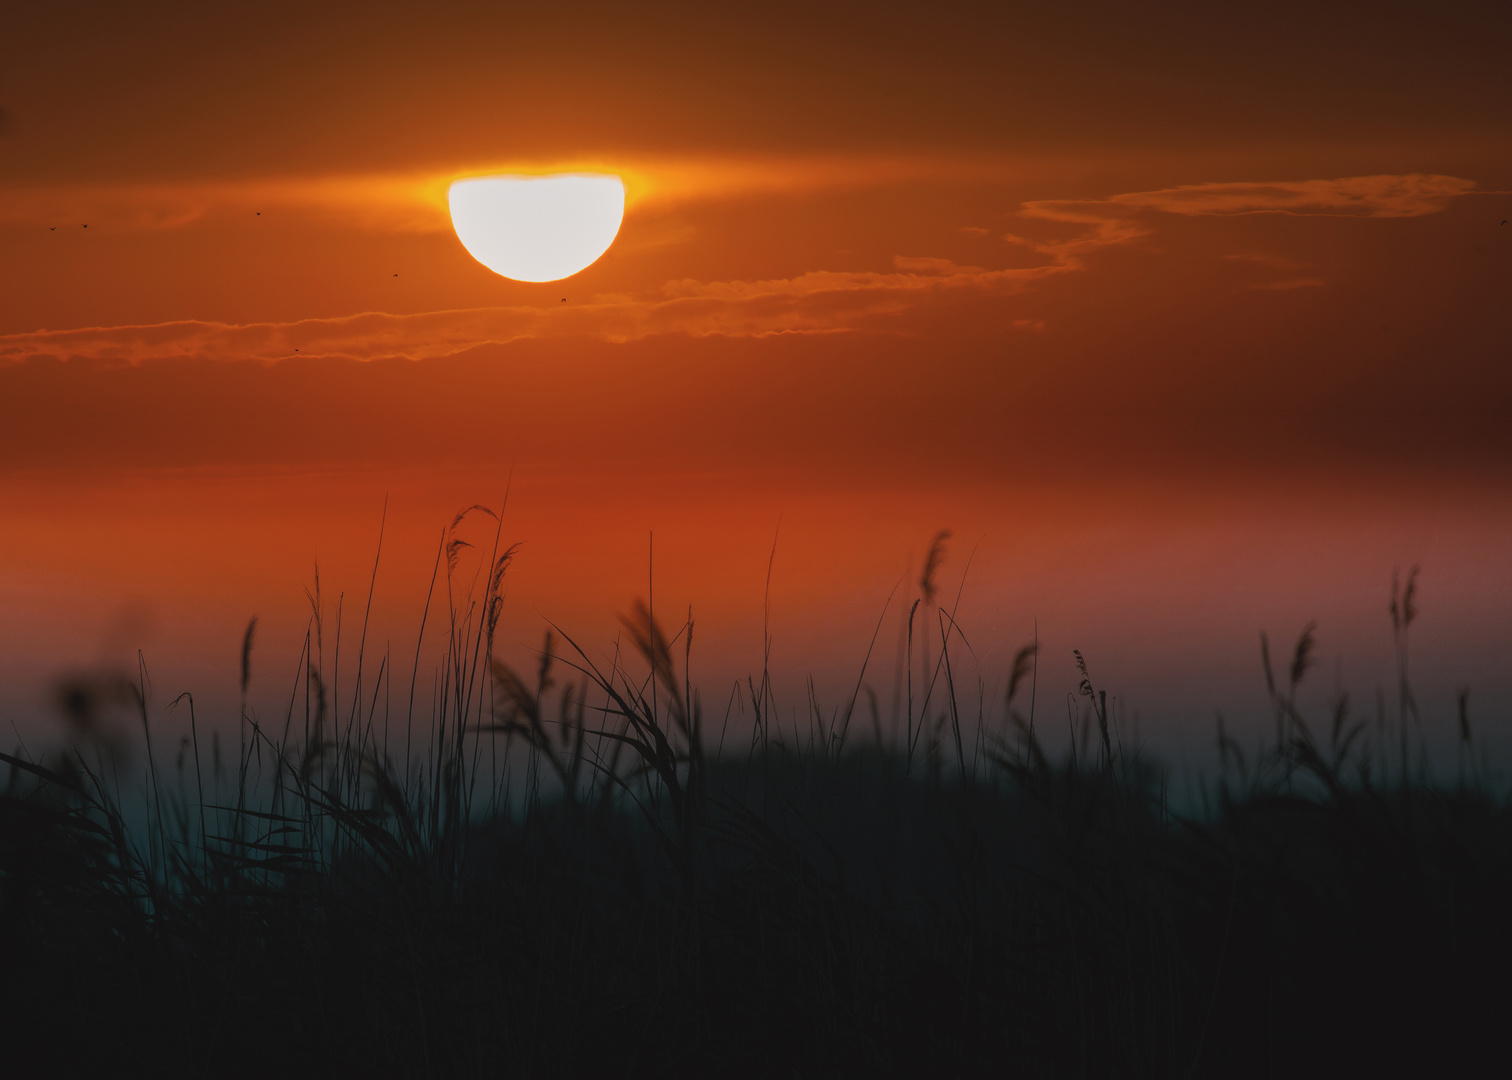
[(537, 228), (1080, 434)]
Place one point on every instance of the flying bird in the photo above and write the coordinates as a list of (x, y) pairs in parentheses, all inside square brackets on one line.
[(564, 299), (54, 228)]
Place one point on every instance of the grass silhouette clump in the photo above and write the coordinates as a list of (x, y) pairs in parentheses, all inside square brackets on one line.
[(567, 872)]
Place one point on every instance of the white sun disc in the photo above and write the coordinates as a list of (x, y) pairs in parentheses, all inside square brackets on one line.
[(537, 228)]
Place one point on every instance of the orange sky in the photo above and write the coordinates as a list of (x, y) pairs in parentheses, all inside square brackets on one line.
[(870, 250), (967, 211)]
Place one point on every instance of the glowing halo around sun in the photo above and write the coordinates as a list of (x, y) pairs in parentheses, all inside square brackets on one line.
[(537, 228)]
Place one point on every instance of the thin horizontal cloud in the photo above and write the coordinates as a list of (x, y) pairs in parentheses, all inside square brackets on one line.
[(1410, 195), (817, 302), (1115, 219), (1096, 230), (404, 204), (1121, 219)]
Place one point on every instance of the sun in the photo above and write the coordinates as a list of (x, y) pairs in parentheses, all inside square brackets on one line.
[(537, 228)]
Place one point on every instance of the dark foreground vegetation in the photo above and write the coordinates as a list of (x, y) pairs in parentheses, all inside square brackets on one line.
[(572, 872)]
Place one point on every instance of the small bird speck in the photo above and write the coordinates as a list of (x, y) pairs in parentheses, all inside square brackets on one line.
[(86, 226), (52, 228), (564, 299)]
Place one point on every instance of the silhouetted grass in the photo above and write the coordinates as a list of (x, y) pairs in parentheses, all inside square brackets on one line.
[(556, 875)]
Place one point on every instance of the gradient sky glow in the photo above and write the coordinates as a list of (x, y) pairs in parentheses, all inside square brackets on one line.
[(1061, 277)]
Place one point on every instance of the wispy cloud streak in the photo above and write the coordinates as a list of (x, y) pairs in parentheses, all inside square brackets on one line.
[(818, 301)]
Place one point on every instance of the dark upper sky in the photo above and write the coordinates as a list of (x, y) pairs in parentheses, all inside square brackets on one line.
[(109, 90)]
